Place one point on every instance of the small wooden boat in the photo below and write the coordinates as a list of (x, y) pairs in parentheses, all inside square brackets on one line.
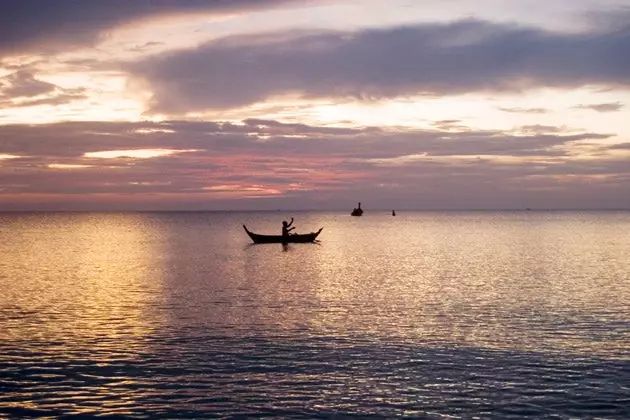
[(279, 239)]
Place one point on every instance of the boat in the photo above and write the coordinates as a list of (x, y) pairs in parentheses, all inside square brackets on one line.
[(279, 239), (358, 211)]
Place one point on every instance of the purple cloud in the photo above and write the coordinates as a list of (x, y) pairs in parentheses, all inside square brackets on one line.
[(38, 25), (23, 89), (322, 167), (23, 84), (606, 107), (455, 58)]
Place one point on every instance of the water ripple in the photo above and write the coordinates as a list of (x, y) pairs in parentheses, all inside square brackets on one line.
[(503, 316), (316, 377)]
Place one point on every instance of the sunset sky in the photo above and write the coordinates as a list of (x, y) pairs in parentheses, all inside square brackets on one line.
[(297, 104)]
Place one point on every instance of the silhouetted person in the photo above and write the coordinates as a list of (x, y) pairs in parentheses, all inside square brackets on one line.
[(393, 212), (286, 227), (358, 211)]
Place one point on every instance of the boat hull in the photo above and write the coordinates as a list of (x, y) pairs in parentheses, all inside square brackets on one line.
[(279, 239)]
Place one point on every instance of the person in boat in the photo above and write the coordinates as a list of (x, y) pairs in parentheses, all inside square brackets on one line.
[(357, 211), (287, 227)]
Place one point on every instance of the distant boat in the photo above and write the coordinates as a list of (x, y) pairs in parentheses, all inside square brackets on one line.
[(279, 239), (358, 211)]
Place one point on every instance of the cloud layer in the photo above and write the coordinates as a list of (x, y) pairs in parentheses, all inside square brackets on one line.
[(461, 57), (39, 25), (530, 153), (23, 89), (204, 161)]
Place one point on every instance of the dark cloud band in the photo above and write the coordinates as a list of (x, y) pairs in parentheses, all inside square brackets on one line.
[(36, 25), (461, 57)]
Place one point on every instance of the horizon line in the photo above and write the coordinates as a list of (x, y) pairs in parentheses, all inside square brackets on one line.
[(375, 210)]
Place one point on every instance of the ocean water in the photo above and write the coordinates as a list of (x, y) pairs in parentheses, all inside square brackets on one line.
[(423, 315)]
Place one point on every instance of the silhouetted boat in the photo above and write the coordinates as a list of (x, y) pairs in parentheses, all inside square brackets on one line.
[(358, 211), (279, 239)]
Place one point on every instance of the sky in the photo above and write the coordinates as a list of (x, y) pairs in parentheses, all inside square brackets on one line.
[(304, 104)]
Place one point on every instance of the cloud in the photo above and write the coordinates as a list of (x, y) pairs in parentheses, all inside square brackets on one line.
[(317, 166), (267, 139), (609, 19), (525, 110), (147, 45), (23, 89), (38, 25), (621, 146), (437, 59), (606, 107), (63, 96), (539, 129), (23, 84), (449, 125)]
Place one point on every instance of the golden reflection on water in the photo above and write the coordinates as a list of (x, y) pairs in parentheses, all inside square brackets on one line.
[(79, 291), (132, 314), (92, 279), (521, 282)]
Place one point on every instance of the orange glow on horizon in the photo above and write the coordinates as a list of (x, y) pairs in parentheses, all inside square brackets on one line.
[(134, 154), (67, 166), (6, 156)]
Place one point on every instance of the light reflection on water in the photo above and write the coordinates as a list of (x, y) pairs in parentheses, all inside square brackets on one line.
[(426, 314), (79, 277)]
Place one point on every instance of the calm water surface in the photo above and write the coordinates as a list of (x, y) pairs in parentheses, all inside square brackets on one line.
[(422, 315)]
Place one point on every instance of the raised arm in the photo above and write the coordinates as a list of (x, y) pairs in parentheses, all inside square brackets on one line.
[(290, 223)]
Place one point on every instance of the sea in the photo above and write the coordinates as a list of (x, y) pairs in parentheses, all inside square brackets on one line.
[(425, 315)]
